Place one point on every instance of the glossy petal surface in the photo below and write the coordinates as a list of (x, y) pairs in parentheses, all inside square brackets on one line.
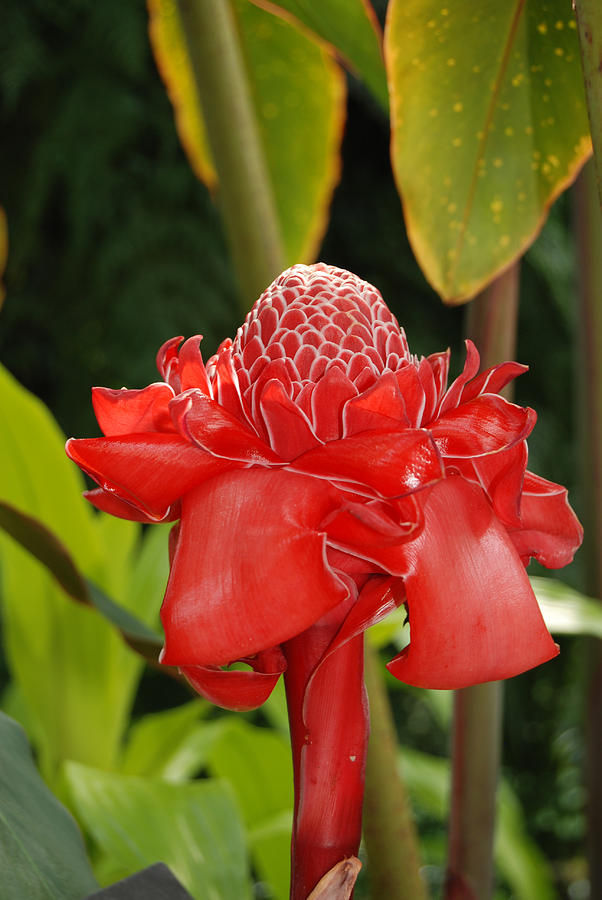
[(550, 530), (473, 615), (250, 569), (238, 689), (133, 412), (150, 471), (390, 463)]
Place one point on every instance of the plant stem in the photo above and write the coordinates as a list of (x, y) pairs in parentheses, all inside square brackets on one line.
[(491, 323), (589, 237), (389, 830), (328, 716), (245, 191), (589, 22)]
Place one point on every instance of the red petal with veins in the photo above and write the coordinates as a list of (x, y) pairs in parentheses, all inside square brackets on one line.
[(412, 392), (380, 407), (375, 534), (453, 395), (250, 567), (493, 380), (289, 430), (167, 361), (110, 503), (391, 463), (327, 402), (487, 424), (208, 425), (133, 412), (240, 690), (191, 366), (473, 615), (150, 471), (550, 530)]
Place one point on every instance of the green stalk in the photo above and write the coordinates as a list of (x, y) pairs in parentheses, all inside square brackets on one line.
[(389, 830), (589, 237), (589, 22), (476, 741), (245, 191)]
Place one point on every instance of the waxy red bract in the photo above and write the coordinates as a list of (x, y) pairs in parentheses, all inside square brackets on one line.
[(320, 469)]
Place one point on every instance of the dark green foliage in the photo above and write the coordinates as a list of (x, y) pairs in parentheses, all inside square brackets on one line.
[(114, 245)]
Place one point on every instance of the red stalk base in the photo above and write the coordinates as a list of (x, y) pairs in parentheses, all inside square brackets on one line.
[(328, 716)]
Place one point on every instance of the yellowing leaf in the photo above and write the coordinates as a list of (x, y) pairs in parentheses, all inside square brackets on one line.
[(489, 127), (173, 62), (350, 27), (298, 93)]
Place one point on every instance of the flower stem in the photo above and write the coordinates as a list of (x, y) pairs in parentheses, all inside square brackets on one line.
[(491, 323), (589, 22), (245, 191), (389, 829), (328, 716), (589, 238)]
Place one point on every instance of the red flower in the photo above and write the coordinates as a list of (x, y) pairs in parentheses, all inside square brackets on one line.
[(322, 475)]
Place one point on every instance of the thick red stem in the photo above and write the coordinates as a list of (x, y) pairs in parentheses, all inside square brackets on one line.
[(328, 715)]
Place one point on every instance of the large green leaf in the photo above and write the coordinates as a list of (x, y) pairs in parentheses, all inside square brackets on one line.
[(489, 126), (194, 827), (352, 30), (298, 92), (47, 549), (167, 744), (42, 854), (75, 674), (565, 610), (257, 763)]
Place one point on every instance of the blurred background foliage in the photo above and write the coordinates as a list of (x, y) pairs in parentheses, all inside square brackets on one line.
[(114, 246)]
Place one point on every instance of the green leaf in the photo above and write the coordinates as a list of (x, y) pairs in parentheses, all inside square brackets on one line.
[(76, 676), (352, 30), (42, 855), (257, 763), (565, 610), (489, 127), (193, 827), (164, 744), (47, 549), (299, 94)]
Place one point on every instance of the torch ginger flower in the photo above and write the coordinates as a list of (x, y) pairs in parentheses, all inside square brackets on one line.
[(322, 475)]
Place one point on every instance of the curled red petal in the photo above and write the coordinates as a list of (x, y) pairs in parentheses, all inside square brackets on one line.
[(380, 595), (412, 391), (473, 615), (389, 463), (150, 471), (250, 568), (208, 425), (487, 424), (550, 531), (493, 380), (502, 476), (238, 689), (375, 532), (191, 366), (327, 401), (380, 407), (110, 503), (453, 395), (289, 430), (133, 412), (167, 362)]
